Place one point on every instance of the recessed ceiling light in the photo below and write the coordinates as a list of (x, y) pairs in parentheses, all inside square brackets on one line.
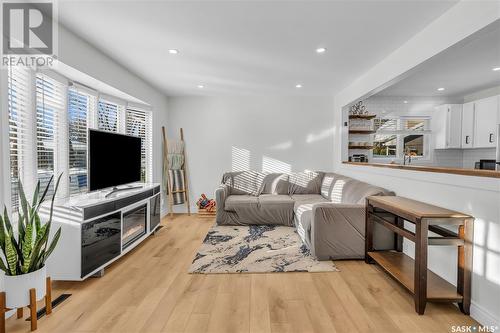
[(321, 50), (298, 85), (173, 51), (406, 102), (440, 89), (201, 86), (496, 69)]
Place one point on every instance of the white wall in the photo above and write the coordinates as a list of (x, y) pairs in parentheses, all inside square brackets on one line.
[(477, 196), (79, 54), (259, 133)]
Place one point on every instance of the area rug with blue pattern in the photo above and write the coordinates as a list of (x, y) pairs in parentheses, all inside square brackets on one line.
[(255, 249)]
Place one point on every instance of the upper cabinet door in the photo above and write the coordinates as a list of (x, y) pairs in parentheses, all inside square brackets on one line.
[(439, 125), (454, 116), (447, 126), (468, 125), (486, 112)]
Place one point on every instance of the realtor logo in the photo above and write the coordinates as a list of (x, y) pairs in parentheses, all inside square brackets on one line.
[(27, 33)]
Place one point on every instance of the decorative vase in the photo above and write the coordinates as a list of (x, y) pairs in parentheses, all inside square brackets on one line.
[(17, 288)]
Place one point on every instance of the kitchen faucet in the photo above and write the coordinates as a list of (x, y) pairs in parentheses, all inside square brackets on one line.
[(407, 154)]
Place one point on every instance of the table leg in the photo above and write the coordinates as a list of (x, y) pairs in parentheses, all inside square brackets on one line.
[(420, 278), (398, 240), (465, 232), (368, 232)]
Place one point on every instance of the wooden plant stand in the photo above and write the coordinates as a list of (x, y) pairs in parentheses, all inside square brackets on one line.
[(32, 306), (391, 212)]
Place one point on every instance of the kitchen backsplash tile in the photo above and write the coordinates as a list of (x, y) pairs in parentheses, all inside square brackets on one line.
[(471, 156)]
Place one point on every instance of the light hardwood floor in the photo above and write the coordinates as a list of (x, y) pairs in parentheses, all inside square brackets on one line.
[(149, 290)]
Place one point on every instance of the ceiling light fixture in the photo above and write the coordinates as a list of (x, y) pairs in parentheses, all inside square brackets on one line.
[(440, 89), (173, 51), (496, 69), (406, 102), (298, 85), (321, 50), (201, 86)]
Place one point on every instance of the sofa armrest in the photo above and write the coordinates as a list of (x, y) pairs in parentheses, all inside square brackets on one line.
[(338, 231), (221, 195)]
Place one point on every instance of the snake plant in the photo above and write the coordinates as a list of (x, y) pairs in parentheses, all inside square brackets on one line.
[(31, 249)]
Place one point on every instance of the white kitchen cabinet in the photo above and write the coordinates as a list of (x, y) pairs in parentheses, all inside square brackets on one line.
[(447, 126), (486, 120), (468, 125)]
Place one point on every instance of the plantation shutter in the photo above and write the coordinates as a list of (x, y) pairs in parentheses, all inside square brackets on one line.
[(21, 132), (111, 115), (81, 108), (50, 129), (139, 123), (415, 124)]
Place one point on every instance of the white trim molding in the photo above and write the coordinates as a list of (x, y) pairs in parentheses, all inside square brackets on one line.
[(483, 316)]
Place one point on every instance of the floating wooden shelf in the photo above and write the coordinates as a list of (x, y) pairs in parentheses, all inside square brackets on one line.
[(360, 147), (360, 132), (401, 267), (362, 116)]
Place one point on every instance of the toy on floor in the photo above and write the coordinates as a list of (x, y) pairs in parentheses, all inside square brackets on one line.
[(205, 203)]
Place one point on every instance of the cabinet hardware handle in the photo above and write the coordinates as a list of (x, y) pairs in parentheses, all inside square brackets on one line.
[(466, 139), (491, 138)]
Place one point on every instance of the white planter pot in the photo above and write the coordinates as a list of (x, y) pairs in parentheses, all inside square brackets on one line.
[(17, 288)]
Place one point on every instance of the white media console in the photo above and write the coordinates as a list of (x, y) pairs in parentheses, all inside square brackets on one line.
[(98, 228)]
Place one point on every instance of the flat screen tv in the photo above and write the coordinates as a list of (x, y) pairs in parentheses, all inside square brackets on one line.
[(114, 159)]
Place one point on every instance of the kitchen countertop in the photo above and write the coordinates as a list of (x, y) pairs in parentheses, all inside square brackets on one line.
[(456, 171)]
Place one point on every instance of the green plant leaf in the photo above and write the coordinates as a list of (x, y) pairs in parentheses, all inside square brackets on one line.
[(34, 202), (2, 234), (11, 256), (52, 246), (8, 226), (20, 226), (49, 222), (40, 240), (3, 267), (37, 223), (27, 247), (44, 194), (22, 198)]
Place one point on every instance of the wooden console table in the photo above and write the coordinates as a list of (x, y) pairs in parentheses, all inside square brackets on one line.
[(391, 212)]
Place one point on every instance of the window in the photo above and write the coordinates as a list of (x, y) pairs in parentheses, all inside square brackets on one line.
[(48, 127), (399, 136), (384, 145), (19, 91), (50, 105), (138, 123), (81, 106), (109, 116), (414, 145)]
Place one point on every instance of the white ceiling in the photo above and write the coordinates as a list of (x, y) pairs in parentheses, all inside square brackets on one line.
[(249, 47), (462, 69)]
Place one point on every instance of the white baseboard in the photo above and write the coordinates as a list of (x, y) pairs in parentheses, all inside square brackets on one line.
[(483, 316)]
